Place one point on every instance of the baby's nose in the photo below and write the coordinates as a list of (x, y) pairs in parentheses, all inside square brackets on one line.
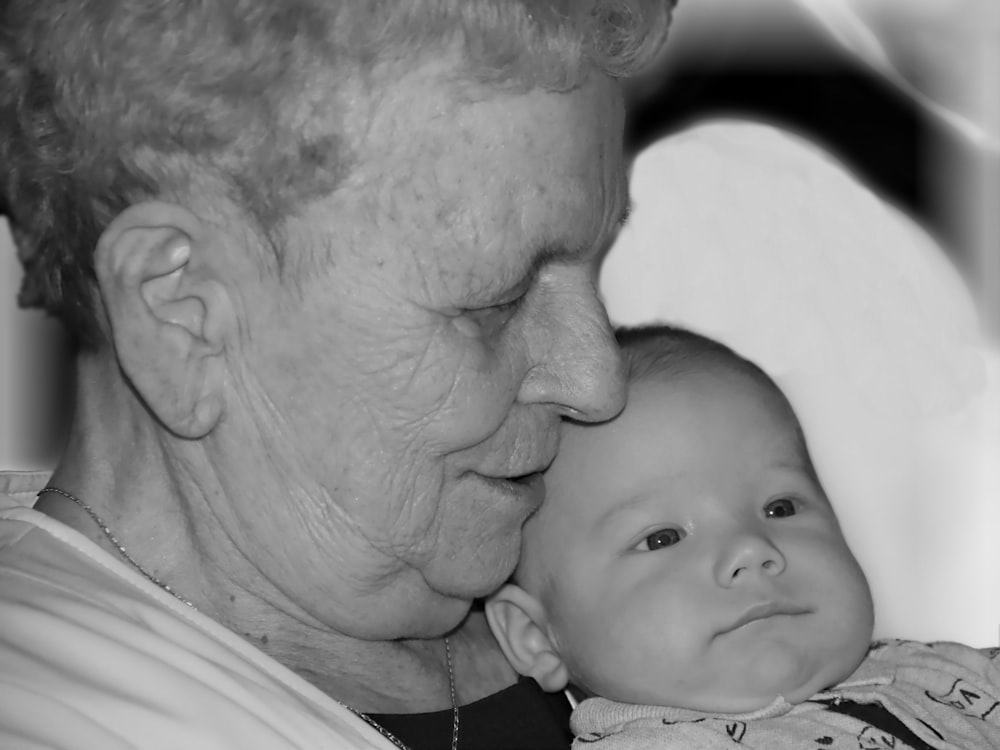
[(749, 556)]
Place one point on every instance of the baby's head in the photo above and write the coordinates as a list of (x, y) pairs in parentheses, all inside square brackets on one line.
[(686, 554)]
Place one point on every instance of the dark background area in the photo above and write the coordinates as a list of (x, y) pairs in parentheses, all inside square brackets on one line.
[(877, 132), (882, 135)]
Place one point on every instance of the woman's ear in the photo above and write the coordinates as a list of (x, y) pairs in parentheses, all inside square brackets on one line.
[(168, 315), (520, 626)]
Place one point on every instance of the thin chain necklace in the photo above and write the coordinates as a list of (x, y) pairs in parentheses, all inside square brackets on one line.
[(118, 545), (124, 553)]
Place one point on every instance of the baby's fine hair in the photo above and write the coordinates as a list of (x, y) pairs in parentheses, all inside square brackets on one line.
[(106, 103), (664, 352), (663, 349)]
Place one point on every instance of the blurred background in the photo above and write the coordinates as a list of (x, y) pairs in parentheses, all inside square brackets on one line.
[(905, 95)]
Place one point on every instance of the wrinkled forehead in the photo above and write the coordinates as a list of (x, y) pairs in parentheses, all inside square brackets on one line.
[(482, 164)]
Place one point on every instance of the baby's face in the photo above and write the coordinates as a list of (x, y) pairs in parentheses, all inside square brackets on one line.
[(692, 560)]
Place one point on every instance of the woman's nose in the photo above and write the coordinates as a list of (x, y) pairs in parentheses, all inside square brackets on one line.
[(748, 557), (581, 370)]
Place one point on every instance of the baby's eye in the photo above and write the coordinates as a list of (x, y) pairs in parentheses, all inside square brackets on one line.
[(661, 538), (780, 508)]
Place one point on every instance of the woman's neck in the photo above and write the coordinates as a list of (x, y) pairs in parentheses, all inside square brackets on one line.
[(406, 676)]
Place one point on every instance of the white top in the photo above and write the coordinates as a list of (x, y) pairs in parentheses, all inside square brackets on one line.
[(93, 655)]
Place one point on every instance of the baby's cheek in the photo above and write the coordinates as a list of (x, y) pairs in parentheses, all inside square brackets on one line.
[(621, 656), (581, 636)]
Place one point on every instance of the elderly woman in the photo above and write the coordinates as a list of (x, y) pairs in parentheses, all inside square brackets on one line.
[(330, 268)]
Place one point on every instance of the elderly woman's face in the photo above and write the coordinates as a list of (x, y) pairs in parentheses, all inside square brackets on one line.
[(410, 388)]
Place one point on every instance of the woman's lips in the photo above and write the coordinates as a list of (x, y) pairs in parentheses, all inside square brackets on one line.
[(528, 488)]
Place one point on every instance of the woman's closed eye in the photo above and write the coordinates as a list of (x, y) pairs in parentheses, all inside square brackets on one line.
[(665, 537), (494, 317), (781, 507)]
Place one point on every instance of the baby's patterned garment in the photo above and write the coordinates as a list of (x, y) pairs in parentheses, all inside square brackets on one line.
[(904, 695)]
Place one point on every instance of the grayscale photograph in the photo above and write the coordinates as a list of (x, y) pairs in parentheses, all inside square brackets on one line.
[(499, 374)]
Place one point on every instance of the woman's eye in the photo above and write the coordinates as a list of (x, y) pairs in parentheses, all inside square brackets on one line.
[(661, 538), (496, 316), (780, 508), (510, 306)]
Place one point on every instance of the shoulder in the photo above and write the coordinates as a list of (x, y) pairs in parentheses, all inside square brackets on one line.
[(81, 677), (92, 656), (946, 673), (19, 488), (935, 654)]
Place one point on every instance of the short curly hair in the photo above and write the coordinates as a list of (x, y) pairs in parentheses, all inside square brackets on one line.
[(104, 103)]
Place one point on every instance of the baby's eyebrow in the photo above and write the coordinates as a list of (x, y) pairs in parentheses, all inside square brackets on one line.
[(629, 504), (792, 466)]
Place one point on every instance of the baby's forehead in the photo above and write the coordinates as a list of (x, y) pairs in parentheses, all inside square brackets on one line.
[(712, 374), (659, 409), (717, 369), (583, 443)]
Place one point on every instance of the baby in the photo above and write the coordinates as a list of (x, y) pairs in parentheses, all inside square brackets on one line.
[(687, 574)]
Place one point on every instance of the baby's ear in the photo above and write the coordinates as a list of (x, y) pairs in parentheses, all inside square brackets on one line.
[(518, 622)]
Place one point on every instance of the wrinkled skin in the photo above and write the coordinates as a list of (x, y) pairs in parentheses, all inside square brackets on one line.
[(444, 321)]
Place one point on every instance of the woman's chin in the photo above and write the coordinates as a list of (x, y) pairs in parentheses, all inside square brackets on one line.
[(476, 572)]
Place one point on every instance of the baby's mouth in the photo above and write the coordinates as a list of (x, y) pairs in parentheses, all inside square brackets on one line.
[(766, 610)]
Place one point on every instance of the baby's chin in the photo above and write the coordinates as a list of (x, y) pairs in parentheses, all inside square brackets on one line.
[(750, 703), (726, 702), (716, 699), (791, 687)]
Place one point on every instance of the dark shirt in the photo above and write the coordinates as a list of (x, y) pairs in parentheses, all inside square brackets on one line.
[(876, 715), (521, 717)]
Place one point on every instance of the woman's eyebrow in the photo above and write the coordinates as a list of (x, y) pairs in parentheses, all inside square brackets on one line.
[(555, 250)]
